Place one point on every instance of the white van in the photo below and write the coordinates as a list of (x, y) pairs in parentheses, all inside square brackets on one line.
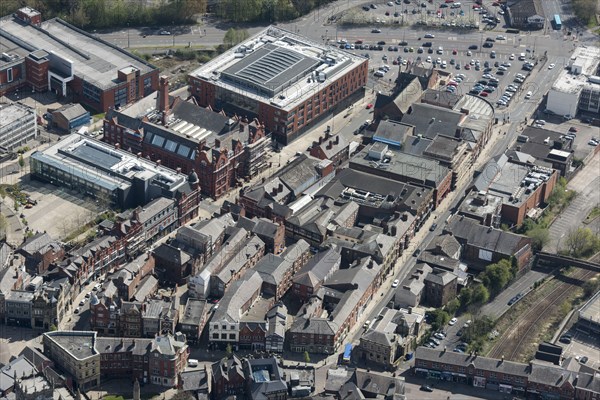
[(192, 362), (528, 95), (522, 57)]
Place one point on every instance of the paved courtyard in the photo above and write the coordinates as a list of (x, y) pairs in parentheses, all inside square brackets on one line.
[(59, 211)]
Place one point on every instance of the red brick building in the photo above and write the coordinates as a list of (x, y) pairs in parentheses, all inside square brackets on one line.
[(227, 378), (532, 380), (220, 150), (159, 360), (285, 80), (118, 78), (333, 148)]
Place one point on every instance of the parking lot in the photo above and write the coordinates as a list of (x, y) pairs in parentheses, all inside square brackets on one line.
[(58, 211), (583, 345), (428, 13)]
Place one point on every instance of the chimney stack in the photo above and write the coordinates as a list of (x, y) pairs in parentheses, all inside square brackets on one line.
[(163, 97), (337, 139), (117, 146), (217, 143)]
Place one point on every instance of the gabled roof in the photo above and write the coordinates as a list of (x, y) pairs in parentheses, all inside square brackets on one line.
[(71, 111), (318, 326), (431, 121), (226, 368), (486, 238), (318, 267)]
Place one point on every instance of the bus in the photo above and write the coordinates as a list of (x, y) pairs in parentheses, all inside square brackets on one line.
[(347, 354), (557, 23)]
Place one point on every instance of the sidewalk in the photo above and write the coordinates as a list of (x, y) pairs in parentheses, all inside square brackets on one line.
[(15, 234)]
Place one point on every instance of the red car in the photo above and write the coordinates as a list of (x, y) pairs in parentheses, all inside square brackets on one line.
[(483, 94), (573, 129), (449, 1), (369, 106), (467, 66), (454, 52)]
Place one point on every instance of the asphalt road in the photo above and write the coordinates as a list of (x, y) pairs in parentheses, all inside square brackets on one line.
[(316, 26)]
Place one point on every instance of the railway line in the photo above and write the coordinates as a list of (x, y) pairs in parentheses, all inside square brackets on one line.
[(513, 341)]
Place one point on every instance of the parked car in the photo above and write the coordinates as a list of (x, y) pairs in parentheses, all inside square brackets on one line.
[(452, 321), (395, 283), (566, 339), (426, 388), (417, 252)]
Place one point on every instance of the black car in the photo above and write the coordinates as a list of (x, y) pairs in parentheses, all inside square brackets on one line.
[(566, 339), (433, 227), (381, 43), (430, 50), (366, 8), (490, 39), (426, 388), (473, 47), (497, 64), (420, 50), (583, 359), (406, 49), (427, 44), (403, 43), (417, 252), (493, 84), (488, 45)]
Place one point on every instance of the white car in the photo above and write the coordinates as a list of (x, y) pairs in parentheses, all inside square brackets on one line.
[(429, 36), (164, 33), (540, 122), (500, 37), (511, 57), (551, 66), (390, 4), (452, 321), (396, 283), (469, 53)]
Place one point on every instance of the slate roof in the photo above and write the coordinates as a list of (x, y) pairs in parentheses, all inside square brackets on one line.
[(318, 326), (440, 98), (40, 242), (317, 268), (442, 279), (172, 254), (226, 368), (240, 291), (431, 121), (392, 132), (71, 111), (489, 364), (487, 238)]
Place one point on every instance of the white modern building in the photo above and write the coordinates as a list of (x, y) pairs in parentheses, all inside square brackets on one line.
[(578, 86), (17, 125)]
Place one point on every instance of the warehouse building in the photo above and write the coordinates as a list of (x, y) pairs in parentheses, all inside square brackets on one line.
[(286, 80), (56, 56), (17, 125)]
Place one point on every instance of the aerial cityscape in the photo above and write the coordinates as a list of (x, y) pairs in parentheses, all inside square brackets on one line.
[(299, 199)]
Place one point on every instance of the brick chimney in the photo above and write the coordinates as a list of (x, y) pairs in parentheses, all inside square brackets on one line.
[(163, 97), (337, 139)]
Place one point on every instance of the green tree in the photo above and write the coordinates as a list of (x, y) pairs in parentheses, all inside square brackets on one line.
[(3, 225), (539, 236), (234, 36), (497, 276), (581, 242), (306, 358), (590, 287), (439, 319), (52, 328), (21, 161), (480, 294), (465, 297), (229, 350), (453, 306)]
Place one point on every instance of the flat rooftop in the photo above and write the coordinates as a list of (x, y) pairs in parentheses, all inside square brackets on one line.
[(278, 67), (94, 60), (403, 164), (12, 112), (584, 58), (111, 167), (591, 309), (515, 183), (80, 344)]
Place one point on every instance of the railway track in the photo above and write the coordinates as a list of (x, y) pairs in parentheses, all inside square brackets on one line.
[(517, 337)]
